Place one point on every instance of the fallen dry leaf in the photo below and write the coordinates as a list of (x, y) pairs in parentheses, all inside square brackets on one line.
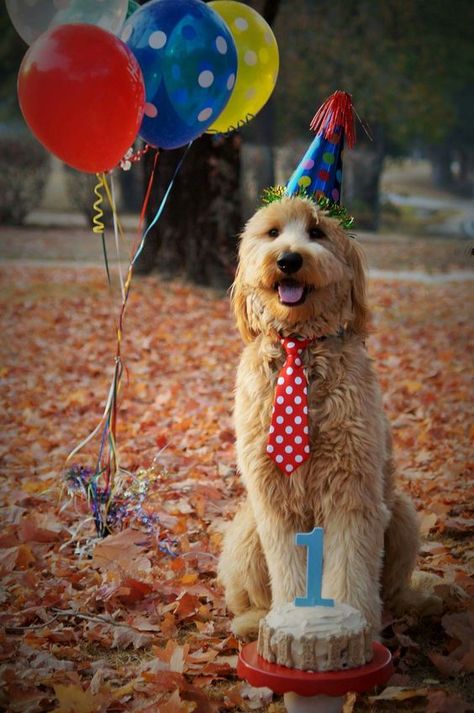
[(72, 699), (122, 551), (427, 522), (446, 665), (176, 704), (442, 702), (397, 693)]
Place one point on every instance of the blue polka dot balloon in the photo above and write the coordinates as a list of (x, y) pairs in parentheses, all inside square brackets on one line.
[(189, 64)]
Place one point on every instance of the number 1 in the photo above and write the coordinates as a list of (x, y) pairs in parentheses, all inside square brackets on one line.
[(314, 569)]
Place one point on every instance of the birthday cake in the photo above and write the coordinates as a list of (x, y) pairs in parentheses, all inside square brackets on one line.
[(315, 638)]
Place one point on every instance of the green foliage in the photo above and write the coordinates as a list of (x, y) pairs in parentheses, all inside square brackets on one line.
[(332, 210), (404, 61)]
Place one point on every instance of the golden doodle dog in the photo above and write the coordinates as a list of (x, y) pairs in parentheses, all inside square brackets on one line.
[(301, 274)]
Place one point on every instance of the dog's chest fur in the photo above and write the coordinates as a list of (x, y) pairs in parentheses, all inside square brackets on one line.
[(342, 391)]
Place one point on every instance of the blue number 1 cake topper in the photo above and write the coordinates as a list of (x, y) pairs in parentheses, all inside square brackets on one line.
[(314, 569)]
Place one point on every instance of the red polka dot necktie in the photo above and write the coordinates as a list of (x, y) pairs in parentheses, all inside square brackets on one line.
[(288, 440)]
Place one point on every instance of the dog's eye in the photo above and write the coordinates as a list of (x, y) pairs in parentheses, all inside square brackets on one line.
[(274, 232), (316, 233)]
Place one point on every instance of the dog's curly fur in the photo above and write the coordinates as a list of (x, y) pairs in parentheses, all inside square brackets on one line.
[(346, 486)]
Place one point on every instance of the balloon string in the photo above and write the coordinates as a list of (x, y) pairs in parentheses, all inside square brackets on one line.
[(147, 195), (162, 204), (107, 464), (91, 435), (111, 199), (117, 227)]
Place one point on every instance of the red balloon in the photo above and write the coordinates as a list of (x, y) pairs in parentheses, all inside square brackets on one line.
[(82, 94)]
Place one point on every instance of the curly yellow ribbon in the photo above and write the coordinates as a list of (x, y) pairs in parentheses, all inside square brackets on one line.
[(98, 227)]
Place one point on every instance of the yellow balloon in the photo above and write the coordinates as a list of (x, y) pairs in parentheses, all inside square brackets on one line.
[(257, 64)]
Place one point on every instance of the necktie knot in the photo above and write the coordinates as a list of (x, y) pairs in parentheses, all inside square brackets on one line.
[(294, 346)]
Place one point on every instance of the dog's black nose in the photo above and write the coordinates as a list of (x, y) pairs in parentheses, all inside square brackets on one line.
[(289, 262)]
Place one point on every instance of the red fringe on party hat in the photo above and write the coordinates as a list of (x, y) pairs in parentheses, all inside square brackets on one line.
[(336, 111)]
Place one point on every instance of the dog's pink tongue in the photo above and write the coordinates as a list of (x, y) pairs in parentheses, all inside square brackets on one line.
[(290, 293)]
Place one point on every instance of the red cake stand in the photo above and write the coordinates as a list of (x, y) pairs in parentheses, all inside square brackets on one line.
[(313, 692)]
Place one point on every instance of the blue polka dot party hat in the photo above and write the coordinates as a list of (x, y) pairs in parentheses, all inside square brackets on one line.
[(319, 172)]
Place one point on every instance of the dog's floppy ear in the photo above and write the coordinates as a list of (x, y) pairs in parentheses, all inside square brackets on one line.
[(239, 304), (360, 319)]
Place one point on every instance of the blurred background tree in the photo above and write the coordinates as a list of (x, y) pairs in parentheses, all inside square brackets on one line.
[(12, 49), (24, 163), (409, 65)]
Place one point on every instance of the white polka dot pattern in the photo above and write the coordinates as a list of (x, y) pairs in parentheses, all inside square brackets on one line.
[(206, 78), (288, 440), (205, 114), (221, 45), (157, 40)]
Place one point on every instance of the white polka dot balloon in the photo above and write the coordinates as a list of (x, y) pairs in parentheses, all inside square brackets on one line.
[(33, 17), (189, 63), (258, 62)]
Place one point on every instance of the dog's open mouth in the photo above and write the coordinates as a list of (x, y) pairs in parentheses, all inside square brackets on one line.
[(291, 292)]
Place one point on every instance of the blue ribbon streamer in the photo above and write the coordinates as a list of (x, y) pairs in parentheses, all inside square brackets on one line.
[(162, 204)]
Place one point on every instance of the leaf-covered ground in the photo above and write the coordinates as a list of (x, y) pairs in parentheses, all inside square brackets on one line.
[(136, 622)]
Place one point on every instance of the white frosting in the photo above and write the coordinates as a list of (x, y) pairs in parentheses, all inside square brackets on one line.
[(315, 638), (320, 622)]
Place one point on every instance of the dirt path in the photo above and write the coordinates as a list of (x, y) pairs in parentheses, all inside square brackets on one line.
[(63, 237)]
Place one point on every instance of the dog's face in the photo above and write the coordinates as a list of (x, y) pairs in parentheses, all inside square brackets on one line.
[(299, 272)]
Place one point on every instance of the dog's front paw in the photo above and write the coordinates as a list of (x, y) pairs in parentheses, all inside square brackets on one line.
[(245, 625)]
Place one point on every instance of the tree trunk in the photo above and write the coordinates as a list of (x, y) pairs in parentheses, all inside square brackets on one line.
[(362, 172), (441, 159), (196, 236)]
